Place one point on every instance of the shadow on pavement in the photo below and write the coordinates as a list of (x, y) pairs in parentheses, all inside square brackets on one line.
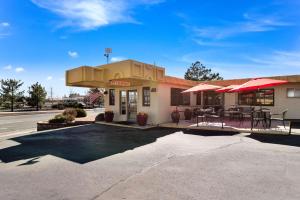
[(209, 132), (80, 144), (290, 140)]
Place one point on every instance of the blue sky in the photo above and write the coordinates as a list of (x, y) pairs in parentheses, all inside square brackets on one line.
[(40, 39)]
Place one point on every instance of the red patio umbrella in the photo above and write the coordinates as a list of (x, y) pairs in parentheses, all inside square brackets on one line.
[(227, 89), (202, 87), (258, 83)]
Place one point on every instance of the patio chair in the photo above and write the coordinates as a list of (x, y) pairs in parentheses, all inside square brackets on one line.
[(258, 117), (279, 117), (199, 115), (218, 116)]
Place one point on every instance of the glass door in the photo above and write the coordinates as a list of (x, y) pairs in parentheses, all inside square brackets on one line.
[(132, 105)]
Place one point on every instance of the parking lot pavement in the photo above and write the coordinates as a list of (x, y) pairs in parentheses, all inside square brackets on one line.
[(103, 162)]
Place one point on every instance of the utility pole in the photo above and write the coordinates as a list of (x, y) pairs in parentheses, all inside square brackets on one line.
[(51, 96), (107, 52)]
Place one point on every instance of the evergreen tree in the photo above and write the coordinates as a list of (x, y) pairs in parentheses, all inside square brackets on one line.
[(37, 95), (198, 72), (10, 92)]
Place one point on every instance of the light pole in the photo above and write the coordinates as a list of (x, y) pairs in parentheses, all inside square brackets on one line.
[(107, 52)]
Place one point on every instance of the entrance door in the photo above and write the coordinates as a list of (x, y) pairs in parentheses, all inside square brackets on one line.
[(132, 105)]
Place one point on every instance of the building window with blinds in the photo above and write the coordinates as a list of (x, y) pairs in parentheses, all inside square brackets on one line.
[(178, 98), (111, 97), (146, 96)]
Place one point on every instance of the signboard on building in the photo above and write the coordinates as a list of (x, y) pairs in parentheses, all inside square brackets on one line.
[(119, 83)]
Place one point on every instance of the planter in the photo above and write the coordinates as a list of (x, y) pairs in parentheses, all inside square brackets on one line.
[(141, 119), (175, 115), (42, 126), (100, 117), (187, 114), (109, 116)]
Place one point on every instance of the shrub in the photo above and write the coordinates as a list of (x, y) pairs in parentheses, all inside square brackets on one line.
[(70, 111), (69, 118), (57, 106), (100, 117), (58, 119), (80, 112)]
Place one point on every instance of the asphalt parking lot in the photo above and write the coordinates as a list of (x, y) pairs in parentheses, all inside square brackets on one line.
[(104, 162)]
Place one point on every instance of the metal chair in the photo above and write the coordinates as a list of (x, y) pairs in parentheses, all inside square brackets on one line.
[(199, 115), (258, 117), (219, 115), (279, 117)]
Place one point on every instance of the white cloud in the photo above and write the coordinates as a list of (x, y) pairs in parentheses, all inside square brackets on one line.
[(278, 59), (117, 59), (91, 14), (7, 67), (249, 24), (4, 29), (73, 54), (4, 24), (19, 69), (49, 78)]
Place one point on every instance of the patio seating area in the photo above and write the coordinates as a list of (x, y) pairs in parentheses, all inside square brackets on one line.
[(239, 119)]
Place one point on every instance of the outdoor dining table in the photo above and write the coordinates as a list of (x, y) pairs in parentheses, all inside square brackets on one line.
[(206, 113), (233, 113)]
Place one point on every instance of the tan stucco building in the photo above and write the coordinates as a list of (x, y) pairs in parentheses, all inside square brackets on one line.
[(133, 87)]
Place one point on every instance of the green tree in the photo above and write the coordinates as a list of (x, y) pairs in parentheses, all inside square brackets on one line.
[(37, 95), (10, 92), (198, 72)]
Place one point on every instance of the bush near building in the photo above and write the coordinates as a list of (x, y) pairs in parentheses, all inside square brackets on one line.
[(70, 111), (80, 113)]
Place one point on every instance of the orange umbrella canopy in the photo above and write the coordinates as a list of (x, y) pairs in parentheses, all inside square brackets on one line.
[(227, 89), (258, 83), (202, 87)]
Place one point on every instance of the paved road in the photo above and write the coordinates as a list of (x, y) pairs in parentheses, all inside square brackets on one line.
[(22, 123), (103, 162)]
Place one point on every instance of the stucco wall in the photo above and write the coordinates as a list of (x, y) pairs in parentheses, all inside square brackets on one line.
[(164, 106)]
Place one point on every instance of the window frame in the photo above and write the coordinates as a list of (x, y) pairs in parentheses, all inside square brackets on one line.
[(206, 93), (287, 90), (180, 97), (112, 97), (145, 103), (199, 98), (254, 100)]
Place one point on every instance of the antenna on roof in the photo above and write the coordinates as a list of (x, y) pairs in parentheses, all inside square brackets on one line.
[(107, 52)]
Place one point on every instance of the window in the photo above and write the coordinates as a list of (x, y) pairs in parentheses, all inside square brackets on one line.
[(178, 98), (212, 98), (263, 97), (111, 97), (123, 102), (146, 96), (198, 98), (293, 92)]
